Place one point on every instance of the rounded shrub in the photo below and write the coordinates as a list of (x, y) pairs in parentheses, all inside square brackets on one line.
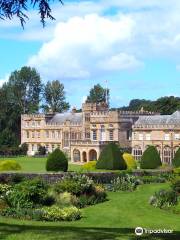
[(57, 161), (9, 165), (130, 161), (150, 158), (90, 166), (176, 159), (111, 158)]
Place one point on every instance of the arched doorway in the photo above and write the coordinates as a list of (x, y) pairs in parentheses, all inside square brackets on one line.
[(92, 155), (84, 157), (76, 155)]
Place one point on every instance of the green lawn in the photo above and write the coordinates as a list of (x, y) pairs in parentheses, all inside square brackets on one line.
[(36, 164), (114, 219)]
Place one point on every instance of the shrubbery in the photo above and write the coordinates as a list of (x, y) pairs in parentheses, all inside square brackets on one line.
[(57, 161), (9, 165), (130, 161), (153, 179), (124, 183), (90, 166), (150, 158), (164, 199), (34, 199), (175, 185), (111, 158), (176, 160)]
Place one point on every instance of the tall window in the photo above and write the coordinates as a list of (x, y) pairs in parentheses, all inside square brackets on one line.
[(111, 135), (103, 133), (87, 133), (27, 134), (47, 134), (87, 117), (148, 136), (33, 134), (128, 134), (94, 135), (176, 136), (140, 136), (167, 136), (66, 139), (53, 134), (137, 152), (167, 155), (38, 134)]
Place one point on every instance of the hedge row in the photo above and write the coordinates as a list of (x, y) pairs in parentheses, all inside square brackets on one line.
[(100, 177)]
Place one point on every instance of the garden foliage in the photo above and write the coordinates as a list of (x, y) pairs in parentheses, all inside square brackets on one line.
[(130, 161), (111, 158), (57, 161), (150, 158), (176, 160), (9, 165)]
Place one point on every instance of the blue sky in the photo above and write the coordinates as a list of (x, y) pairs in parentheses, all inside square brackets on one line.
[(134, 45)]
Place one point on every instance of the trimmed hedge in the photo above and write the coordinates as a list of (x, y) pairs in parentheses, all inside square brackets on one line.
[(111, 158), (130, 161), (57, 161), (176, 159), (150, 158)]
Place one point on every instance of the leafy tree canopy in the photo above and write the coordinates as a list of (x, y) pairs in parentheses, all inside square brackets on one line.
[(98, 94), (54, 96), (19, 8), (163, 105)]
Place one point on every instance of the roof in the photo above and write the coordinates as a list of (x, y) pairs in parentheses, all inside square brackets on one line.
[(60, 118), (173, 119)]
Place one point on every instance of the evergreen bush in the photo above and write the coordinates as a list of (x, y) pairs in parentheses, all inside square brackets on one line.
[(176, 160), (111, 158), (150, 158), (57, 161)]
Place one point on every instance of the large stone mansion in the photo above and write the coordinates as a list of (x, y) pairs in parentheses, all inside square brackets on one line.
[(83, 134)]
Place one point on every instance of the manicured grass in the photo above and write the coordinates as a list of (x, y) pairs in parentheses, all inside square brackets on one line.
[(114, 219), (37, 164)]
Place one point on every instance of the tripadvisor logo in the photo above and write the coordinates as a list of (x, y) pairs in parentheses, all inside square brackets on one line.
[(139, 231)]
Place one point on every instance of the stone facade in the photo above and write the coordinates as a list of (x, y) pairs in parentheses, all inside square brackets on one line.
[(160, 131), (81, 134)]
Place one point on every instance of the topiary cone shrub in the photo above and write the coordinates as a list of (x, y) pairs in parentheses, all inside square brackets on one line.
[(111, 158), (57, 161), (130, 161), (150, 158), (176, 159)]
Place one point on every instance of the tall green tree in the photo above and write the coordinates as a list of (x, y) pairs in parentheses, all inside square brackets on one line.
[(98, 94), (54, 96), (21, 94), (25, 88)]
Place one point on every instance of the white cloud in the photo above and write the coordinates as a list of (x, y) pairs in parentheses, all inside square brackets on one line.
[(79, 44), (120, 61)]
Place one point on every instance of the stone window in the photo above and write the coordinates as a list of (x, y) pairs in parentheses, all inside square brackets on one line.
[(148, 136), (177, 136), (53, 134), (33, 134), (111, 135), (140, 136), (167, 155), (137, 152), (47, 134), (27, 134), (167, 136), (94, 135), (53, 147), (87, 117), (38, 134), (87, 133)]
